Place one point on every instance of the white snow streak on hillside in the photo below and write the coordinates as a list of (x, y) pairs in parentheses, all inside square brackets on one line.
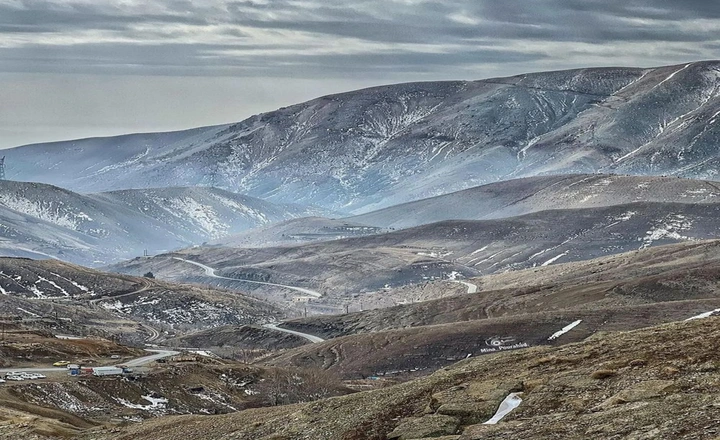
[(671, 76), (39, 293), (245, 210), (79, 286), (564, 330), (480, 250), (202, 215), (621, 218), (554, 259), (704, 315), (671, 228), (131, 161), (52, 283), (29, 312), (511, 402), (155, 403), (44, 211)]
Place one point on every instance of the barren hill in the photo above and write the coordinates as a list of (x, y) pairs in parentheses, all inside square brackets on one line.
[(378, 147), (44, 221), (460, 249), (78, 300), (662, 380)]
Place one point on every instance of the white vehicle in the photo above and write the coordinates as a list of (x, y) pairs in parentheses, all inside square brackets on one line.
[(107, 371), (33, 376), (11, 377), (2, 380)]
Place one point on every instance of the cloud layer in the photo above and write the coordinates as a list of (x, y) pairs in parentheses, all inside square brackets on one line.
[(74, 68), (357, 38)]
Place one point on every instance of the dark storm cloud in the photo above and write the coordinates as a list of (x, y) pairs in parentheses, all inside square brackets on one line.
[(284, 37)]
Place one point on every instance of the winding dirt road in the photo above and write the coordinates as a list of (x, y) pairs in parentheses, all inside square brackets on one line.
[(209, 271)]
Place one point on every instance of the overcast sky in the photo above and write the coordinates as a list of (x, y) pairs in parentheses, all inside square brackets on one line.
[(82, 68)]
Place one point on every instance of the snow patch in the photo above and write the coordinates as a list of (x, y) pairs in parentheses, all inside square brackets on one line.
[(704, 315), (511, 402), (554, 259), (155, 403), (564, 330)]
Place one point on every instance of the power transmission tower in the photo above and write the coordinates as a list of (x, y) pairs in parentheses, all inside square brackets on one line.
[(2, 168)]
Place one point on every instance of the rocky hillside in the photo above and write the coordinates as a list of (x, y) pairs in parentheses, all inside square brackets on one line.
[(672, 273), (77, 300), (44, 221), (451, 249), (516, 310), (378, 147), (662, 380), (62, 407)]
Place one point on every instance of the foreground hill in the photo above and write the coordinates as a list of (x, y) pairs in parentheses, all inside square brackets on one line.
[(42, 221), (661, 380), (378, 147), (77, 300)]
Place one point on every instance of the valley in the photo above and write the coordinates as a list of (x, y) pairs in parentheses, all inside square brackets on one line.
[(398, 262)]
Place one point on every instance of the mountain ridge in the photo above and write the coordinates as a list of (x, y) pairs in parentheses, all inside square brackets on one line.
[(368, 149), (45, 220)]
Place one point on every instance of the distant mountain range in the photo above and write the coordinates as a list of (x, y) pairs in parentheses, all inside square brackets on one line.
[(374, 148), (465, 234), (42, 221)]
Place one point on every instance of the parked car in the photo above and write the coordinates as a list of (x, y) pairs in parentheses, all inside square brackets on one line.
[(13, 377), (2, 380), (61, 364), (33, 376), (115, 356)]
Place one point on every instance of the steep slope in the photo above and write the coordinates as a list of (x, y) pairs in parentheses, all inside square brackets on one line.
[(374, 148), (45, 221)]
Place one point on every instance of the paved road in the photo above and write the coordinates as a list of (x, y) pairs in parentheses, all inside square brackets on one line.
[(311, 338), (154, 333), (159, 354), (471, 288), (145, 287), (209, 271), (139, 362)]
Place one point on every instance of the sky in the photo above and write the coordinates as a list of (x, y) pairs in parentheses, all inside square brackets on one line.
[(81, 68)]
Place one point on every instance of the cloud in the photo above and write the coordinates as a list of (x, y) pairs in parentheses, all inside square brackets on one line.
[(73, 68), (354, 37)]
